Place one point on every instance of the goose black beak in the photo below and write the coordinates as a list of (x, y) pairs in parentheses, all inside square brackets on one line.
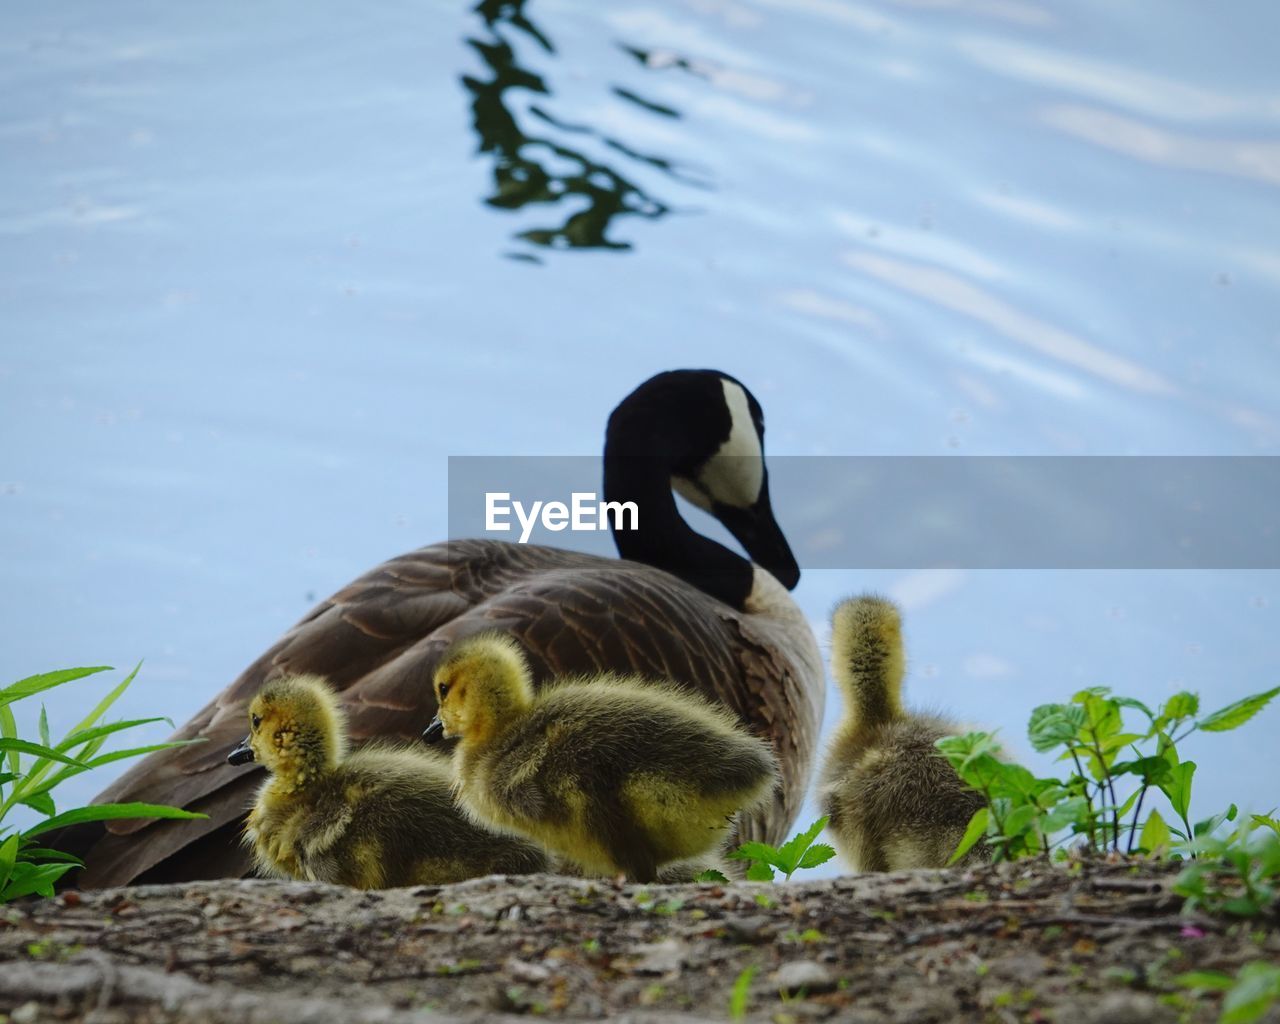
[(243, 754), (761, 537), (434, 733)]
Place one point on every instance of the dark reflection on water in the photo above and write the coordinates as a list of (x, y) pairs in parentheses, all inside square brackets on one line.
[(541, 165)]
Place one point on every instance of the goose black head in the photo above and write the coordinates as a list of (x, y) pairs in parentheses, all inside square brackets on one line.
[(701, 433)]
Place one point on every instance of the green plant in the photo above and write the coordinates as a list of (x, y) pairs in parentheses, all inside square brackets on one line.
[(1253, 991), (1237, 874), (25, 866), (798, 852), (741, 992), (1115, 767)]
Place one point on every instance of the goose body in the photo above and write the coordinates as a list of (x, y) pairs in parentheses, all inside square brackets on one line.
[(892, 800), (378, 817), (596, 769), (675, 605)]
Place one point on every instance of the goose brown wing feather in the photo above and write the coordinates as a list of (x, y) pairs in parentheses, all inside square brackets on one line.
[(378, 640)]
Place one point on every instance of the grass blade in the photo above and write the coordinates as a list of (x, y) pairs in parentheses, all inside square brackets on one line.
[(39, 770), (9, 731), (45, 681), (110, 812), (741, 992), (8, 857), (17, 746)]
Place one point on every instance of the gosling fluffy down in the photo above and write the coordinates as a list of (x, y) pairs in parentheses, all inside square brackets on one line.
[(377, 817), (893, 800), (615, 774)]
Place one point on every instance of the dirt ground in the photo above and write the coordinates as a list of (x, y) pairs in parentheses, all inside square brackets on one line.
[(1094, 942)]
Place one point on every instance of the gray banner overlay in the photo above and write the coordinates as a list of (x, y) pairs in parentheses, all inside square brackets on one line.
[(927, 512)]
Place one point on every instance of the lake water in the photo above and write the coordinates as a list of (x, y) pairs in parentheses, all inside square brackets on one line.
[(263, 269)]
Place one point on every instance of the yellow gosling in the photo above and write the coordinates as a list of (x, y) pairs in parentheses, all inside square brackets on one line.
[(893, 800), (377, 817), (615, 774)]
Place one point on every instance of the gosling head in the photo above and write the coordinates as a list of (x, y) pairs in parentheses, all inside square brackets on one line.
[(481, 683), (296, 730)]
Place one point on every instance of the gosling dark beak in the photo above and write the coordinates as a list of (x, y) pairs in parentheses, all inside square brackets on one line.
[(435, 731), (243, 754), (761, 537)]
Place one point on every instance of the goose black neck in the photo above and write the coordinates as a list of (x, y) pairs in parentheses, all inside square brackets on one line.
[(663, 539)]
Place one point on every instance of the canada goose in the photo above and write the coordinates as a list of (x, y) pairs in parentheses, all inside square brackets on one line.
[(375, 818), (676, 605), (893, 800), (597, 769)]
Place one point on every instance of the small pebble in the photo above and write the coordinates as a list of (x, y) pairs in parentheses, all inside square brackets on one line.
[(665, 957), (522, 970), (27, 1013), (797, 975), (748, 929), (1130, 1007)]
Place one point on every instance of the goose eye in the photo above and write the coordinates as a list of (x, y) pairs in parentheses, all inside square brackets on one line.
[(444, 691), (255, 721)]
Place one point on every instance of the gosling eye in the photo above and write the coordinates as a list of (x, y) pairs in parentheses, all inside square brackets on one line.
[(444, 692), (255, 721)]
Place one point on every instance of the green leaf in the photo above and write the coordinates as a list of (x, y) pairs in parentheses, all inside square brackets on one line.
[(1257, 987), (40, 768), (27, 747), (1266, 821), (759, 872), (39, 854), (44, 726), (1016, 781), (30, 878), (1102, 716), (9, 731), (109, 812), (1180, 705), (1209, 826), (94, 762), (755, 851), (1152, 770), (710, 875), (984, 772), (1081, 696), (1071, 811), (41, 802), (1137, 705), (1155, 834), (818, 853), (1177, 787), (104, 705), (1053, 725), (1017, 821), (119, 755), (46, 681), (961, 750), (1234, 715), (85, 735), (1212, 980), (1120, 739), (975, 830), (790, 852), (741, 992), (8, 857)]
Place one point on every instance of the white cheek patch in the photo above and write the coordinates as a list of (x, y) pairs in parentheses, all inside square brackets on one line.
[(690, 491), (735, 473)]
